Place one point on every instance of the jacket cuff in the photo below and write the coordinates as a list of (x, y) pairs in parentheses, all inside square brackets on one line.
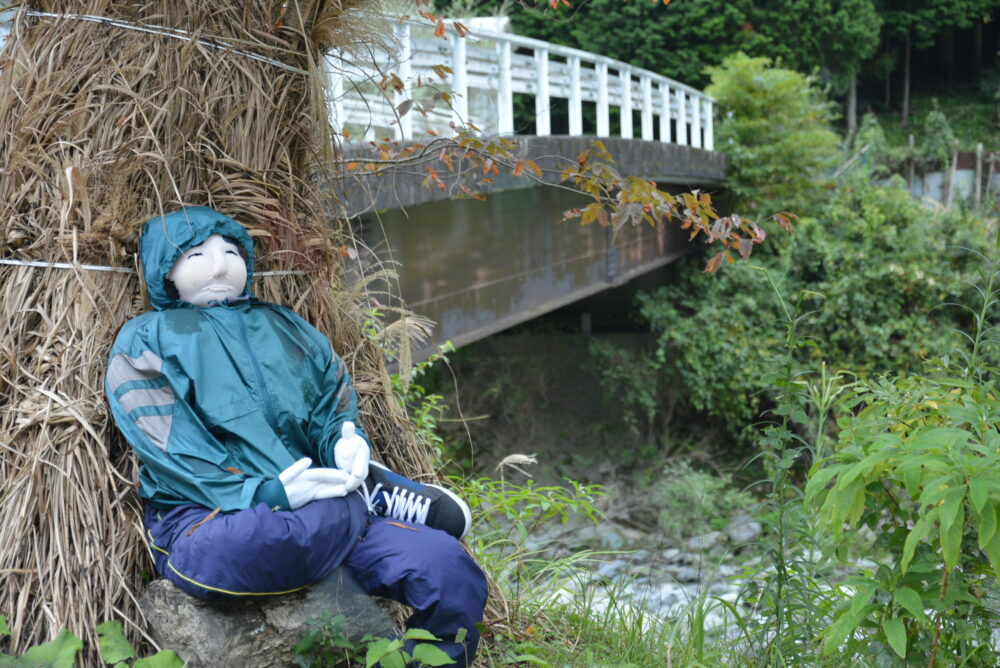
[(272, 492)]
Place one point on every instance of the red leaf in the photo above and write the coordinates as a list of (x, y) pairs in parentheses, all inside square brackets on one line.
[(439, 30), (518, 168)]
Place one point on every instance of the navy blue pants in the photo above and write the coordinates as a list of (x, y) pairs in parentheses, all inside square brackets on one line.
[(258, 551)]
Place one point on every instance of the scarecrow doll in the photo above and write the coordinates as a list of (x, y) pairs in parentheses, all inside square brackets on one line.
[(255, 470)]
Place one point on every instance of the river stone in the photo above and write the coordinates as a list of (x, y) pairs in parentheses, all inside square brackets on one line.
[(706, 541), (611, 568), (743, 529), (258, 631)]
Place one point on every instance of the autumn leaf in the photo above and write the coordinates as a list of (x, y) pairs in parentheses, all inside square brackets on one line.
[(441, 70), (432, 175), (462, 29), (404, 107), (714, 264), (590, 213), (745, 247), (439, 30), (518, 168), (534, 167)]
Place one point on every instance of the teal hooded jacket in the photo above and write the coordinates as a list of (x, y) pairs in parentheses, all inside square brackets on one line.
[(216, 401)]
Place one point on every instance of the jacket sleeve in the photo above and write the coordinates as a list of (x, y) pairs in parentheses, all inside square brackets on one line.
[(182, 460), (335, 403)]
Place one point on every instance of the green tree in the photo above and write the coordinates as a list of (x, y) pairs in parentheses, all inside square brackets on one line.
[(774, 129)]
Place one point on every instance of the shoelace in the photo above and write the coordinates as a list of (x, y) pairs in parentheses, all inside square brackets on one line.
[(405, 506), (408, 506), (369, 498)]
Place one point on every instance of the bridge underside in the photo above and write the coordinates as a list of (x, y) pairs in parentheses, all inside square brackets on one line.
[(478, 267)]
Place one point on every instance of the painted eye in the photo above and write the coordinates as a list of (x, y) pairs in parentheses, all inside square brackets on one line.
[(195, 254), (232, 252)]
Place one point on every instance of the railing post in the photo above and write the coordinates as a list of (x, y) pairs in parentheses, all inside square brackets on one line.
[(696, 121), (709, 125), (505, 92), (460, 87), (603, 122), (665, 115), (682, 128), (625, 76), (543, 115), (647, 108), (575, 99), (404, 124), (336, 104)]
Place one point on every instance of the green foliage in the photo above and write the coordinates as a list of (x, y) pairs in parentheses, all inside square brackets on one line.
[(63, 651), (917, 460), (774, 127), (425, 408), (877, 269), (919, 464), (634, 380), (694, 501), (974, 117), (682, 39), (939, 141), (327, 644), (505, 514)]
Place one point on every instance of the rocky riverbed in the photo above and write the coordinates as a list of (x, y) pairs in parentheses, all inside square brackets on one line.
[(645, 568)]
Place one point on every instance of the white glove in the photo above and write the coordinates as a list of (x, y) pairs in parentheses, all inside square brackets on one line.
[(351, 454), (303, 484)]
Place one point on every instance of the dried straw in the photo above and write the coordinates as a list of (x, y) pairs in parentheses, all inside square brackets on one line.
[(101, 127)]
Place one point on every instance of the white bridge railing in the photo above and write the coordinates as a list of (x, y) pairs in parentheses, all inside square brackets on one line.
[(488, 69)]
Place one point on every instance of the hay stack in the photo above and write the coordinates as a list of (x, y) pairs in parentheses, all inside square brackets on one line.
[(103, 125)]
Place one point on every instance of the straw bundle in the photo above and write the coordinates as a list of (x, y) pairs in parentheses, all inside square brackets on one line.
[(103, 125)]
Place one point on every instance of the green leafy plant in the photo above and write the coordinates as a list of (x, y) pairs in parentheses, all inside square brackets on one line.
[(918, 463), (62, 652), (708, 500), (327, 644)]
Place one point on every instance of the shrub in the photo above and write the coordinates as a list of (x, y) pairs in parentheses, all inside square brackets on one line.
[(880, 270), (695, 502), (774, 127)]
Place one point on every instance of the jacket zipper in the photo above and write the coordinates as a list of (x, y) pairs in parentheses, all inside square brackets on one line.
[(264, 393)]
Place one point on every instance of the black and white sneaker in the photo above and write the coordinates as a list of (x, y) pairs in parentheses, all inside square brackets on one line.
[(390, 494)]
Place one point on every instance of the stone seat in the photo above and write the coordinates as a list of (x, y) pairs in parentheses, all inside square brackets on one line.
[(256, 631)]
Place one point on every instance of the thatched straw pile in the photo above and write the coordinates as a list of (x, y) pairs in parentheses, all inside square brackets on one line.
[(103, 125)]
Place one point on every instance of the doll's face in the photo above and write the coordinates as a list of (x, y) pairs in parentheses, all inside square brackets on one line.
[(213, 270)]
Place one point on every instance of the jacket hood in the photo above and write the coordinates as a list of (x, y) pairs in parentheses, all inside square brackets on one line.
[(165, 238)]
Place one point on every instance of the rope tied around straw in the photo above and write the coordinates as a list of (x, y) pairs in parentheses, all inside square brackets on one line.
[(124, 270), (175, 33)]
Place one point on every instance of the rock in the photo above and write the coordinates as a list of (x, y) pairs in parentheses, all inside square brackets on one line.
[(256, 632), (670, 595), (706, 541), (611, 568), (612, 540), (743, 529), (686, 574), (671, 554)]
